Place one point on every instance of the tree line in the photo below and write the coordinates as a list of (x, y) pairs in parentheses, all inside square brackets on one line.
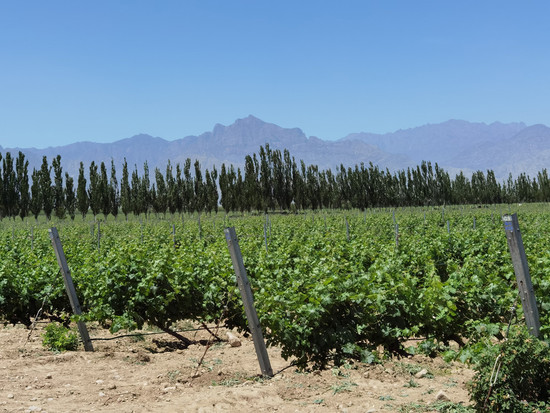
[(269, 180)]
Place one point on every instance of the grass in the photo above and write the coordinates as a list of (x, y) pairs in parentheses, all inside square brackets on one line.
[(345, 386), (411, 383), (442, 407)]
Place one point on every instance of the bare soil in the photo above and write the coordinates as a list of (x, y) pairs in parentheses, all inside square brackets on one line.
[(155, 374)]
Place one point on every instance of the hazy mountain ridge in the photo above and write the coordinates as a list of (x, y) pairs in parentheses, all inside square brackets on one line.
[(527, 151), (455, 145), (440, 142)]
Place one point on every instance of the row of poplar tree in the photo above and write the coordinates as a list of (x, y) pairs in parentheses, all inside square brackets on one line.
[(270, 180)]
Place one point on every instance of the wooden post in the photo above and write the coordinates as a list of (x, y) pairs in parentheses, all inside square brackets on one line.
[(32, 239), (69, 287), (265, 236), (396, 235), (248, 300), (98, 237), (174, 234), (519, 260), (200, 229), (347, 228), (474, 222)]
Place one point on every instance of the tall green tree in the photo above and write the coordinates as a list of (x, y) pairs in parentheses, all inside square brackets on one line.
[(70, 197), (240, 191), (224, 189), (114, 194), (145, 195), (136, 192), (211, 191), (58, 194), (161, 201), (35, 205), (94, 190), (461, 189), (10, 196), (266, 187), (180, 186), (251, 189), (198, 186), (299, 186), (46, 188), (544, 186), (278, 179), (82, 198), (104, 190), (288, 188), (492, 189), (213, 194), (22, 168), (125, 191), (171, 190), (188, 192), (478, 187)]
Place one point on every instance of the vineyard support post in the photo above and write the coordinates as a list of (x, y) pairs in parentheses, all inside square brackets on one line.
[(69, 287), (248, 300), (396, 235), (347, 228), (98, 237), (265, 236), (523, 278)]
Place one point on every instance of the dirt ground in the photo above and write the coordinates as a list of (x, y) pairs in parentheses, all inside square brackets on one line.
[(153, 374)]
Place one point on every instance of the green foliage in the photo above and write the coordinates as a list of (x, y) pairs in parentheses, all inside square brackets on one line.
[(321, 298), (59, 338), (513, 376)]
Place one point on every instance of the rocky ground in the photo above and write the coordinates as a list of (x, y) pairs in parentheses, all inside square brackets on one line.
[(153, 373)]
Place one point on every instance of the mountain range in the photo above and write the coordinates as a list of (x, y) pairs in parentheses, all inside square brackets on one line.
[(455, 145)]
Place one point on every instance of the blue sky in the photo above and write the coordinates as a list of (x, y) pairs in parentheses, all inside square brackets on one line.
[(106, 70)]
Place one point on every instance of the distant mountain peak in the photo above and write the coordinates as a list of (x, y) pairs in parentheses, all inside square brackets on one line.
[(454, 144)]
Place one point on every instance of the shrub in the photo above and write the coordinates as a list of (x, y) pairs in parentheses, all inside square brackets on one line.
[(59, 338), (521, 383)]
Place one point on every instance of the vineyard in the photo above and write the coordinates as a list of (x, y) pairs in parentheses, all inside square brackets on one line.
[(327, 286)]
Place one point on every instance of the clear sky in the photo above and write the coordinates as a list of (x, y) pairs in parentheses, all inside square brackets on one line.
[(106, 70)]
